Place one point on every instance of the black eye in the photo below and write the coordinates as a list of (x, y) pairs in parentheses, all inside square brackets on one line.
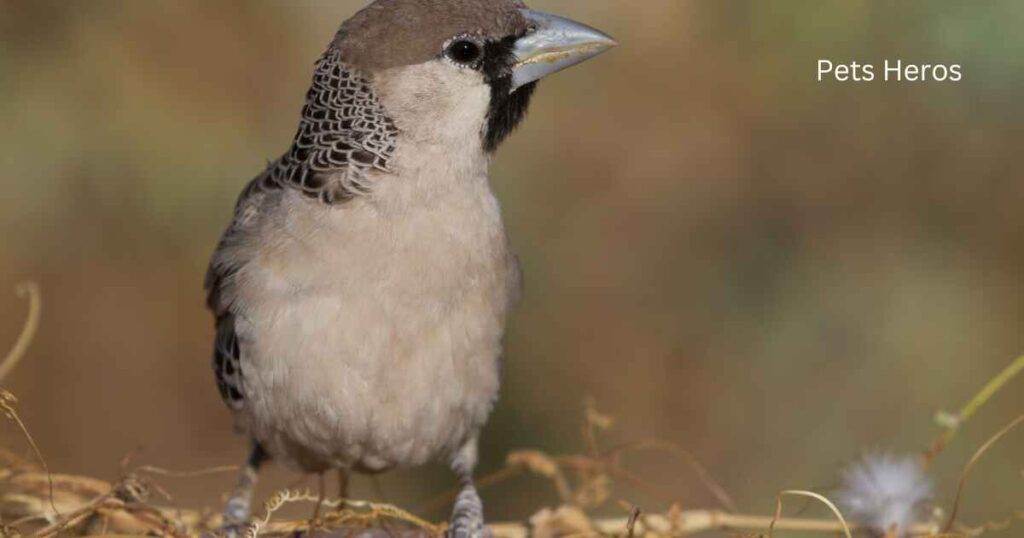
[(464, 51)]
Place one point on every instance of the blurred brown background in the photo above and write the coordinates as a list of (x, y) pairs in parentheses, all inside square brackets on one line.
[(775, 273)]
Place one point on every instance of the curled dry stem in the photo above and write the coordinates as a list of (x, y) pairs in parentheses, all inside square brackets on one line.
[(816, 496), (28, 331), (8, 401), (360, 512)]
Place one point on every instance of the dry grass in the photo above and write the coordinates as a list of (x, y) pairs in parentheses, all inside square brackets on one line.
[(35, 502)]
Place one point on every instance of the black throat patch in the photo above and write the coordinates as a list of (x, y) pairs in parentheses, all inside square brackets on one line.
[(508, 108)]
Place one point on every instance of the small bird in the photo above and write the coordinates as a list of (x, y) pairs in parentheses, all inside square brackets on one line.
[(362, 289)]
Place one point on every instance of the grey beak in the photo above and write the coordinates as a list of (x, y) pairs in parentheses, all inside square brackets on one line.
[(555, 44)]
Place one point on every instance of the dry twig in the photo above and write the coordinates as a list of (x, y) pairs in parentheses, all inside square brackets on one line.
[(970, 466)]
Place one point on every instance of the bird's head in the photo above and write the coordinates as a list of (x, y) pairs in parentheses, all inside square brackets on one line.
[(460, 71)]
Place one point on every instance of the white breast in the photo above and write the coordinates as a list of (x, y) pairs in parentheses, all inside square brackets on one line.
[(371, 333)]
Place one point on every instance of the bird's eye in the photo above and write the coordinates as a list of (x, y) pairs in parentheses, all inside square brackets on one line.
[(464, 51)]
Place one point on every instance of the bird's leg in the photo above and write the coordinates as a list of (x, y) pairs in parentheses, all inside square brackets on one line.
[(378, 490), (342, 487), (468, 515), (321, 483), (238, 510)]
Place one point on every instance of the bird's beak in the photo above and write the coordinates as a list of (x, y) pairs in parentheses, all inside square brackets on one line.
[(554, 44)]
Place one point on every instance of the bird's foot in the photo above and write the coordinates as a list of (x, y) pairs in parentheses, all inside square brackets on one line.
[(231, 530), (474, 530), (237, 513), (468, 516)]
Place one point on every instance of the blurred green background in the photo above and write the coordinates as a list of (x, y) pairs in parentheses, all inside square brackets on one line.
[(775, 273)]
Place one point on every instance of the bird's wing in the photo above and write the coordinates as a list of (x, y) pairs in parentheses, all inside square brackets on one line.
[(221, 284), (227, 363)]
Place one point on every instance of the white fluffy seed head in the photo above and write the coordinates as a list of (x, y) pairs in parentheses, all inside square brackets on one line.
[(883, 491)]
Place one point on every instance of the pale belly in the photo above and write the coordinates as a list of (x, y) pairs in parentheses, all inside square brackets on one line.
[(380, 354)]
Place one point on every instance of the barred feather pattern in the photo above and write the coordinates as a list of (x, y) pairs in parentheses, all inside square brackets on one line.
[(344, 134)]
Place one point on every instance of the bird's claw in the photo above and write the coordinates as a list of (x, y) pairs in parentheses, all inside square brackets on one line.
[(228, 530), (237, 513), (469, 529), (477, 530)]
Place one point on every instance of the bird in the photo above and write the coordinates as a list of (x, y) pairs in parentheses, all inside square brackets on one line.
[(361, 291)]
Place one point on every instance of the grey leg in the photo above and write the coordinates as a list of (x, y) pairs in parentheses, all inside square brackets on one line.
[(321, 497), (468, 515), (238, 510), (342, 485)]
